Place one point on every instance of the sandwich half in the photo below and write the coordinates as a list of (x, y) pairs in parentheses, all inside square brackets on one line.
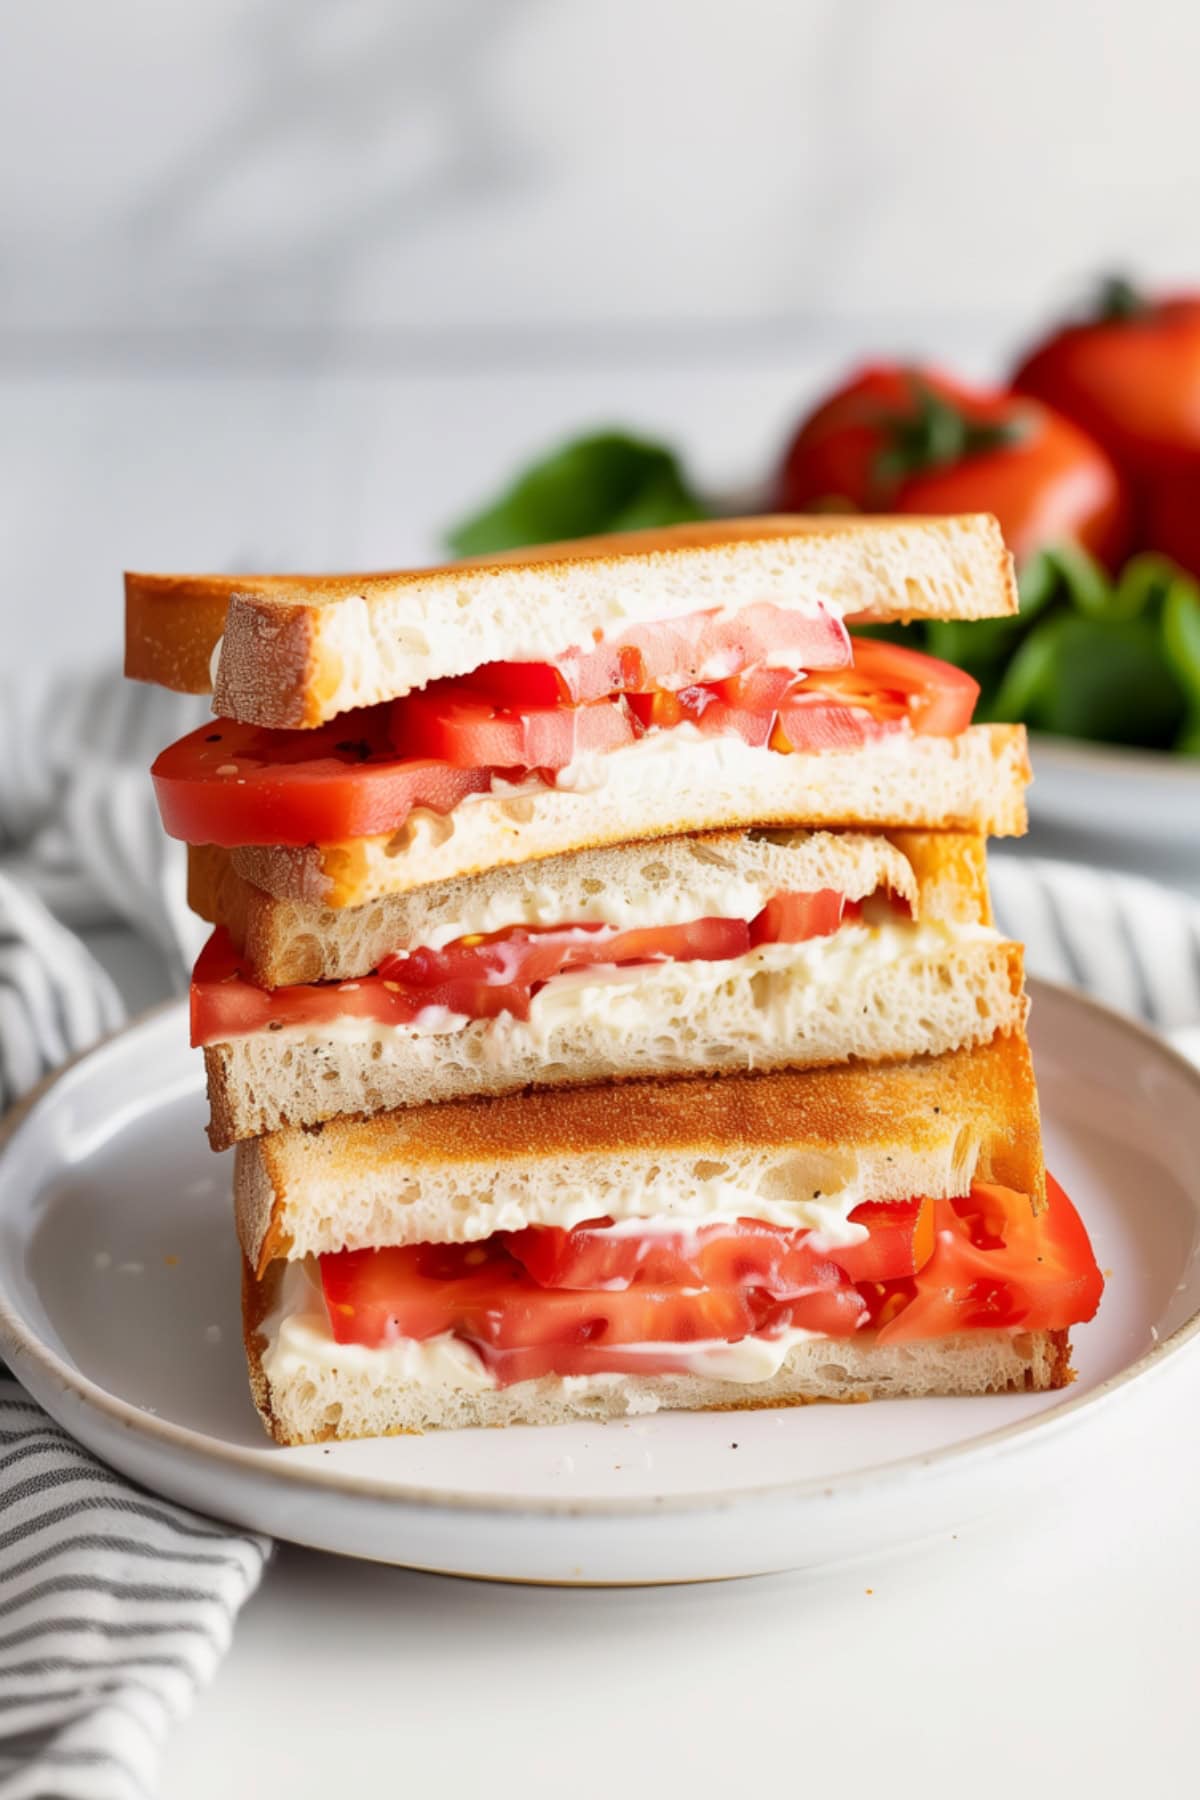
[(378, 734), (755, 950), (763, 1240)]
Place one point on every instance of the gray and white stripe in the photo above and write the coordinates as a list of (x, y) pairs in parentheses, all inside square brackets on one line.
[(77, 815), (55, 999), (81, 846), (1125, 940), (114, 1607)]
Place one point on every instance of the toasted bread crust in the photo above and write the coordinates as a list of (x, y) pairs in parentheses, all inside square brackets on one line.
[(290, 641), (702, 1116), (172, 627), (987, 1092)]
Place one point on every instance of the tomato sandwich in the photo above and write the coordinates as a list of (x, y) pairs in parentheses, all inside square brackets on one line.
[(749, 950), (381, 733), (758, 1240), (603, 997)]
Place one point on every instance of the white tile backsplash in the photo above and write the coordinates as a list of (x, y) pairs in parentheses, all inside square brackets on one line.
[(291, 283), (433, 165)]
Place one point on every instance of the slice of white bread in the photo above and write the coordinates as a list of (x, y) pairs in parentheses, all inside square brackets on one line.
[(653, 789), (299, 649), (792, 1141), (669, 881), (350, 1397)]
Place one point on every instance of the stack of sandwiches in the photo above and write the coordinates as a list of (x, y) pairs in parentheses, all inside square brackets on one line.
[(603, 995)]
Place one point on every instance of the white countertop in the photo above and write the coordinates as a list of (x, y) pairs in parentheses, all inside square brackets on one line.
[(1056, 1652)]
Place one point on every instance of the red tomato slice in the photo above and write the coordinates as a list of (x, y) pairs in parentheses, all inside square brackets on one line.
[(793, 918), (362, 774), (602, 1257), (812, 722), (467, 732), (895, 683), (481, 977), (889, 688), (232, 784), (676, 653), (708, 647), (521, 1330), (748, 1253), (900, 1240), (994, 1265), (744, 705), (226, 1004), (650, 1296), (483, 1293), (518, 961)]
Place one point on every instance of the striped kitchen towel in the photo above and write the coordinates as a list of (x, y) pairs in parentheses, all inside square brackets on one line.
[(115, 1607), (77, 819), (55, 999), (1129, 942)]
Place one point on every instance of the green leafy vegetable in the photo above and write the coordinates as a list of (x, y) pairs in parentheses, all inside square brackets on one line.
[(606, 482), (1114, 661), (1089, 678), (1181, 635)]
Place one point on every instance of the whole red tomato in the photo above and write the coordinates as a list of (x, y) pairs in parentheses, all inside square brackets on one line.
[(910, 440), (1130, 375)]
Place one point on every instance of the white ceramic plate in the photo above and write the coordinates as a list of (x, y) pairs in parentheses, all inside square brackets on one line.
[(119, 1308), (1128, 808)]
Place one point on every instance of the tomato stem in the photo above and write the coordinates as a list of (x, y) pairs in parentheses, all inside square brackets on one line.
[(1120, 298), (934, 433)]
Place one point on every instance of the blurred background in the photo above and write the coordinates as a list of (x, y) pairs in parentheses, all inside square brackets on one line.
[(288, 283)]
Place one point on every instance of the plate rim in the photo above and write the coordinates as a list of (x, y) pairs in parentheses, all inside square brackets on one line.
[(22, 1347)]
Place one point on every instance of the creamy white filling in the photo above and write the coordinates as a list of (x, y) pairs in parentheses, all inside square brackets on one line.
[(715, 893), (300, 1343), (641, 764), (640, 769), (625, 1001)]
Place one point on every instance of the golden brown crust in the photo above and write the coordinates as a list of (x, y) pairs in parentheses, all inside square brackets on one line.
[(951, 872), (991, 1086), (257, 1299), (222, 1127), (1062, 1374), (173, 622), (217, 892), (827, 1107)]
